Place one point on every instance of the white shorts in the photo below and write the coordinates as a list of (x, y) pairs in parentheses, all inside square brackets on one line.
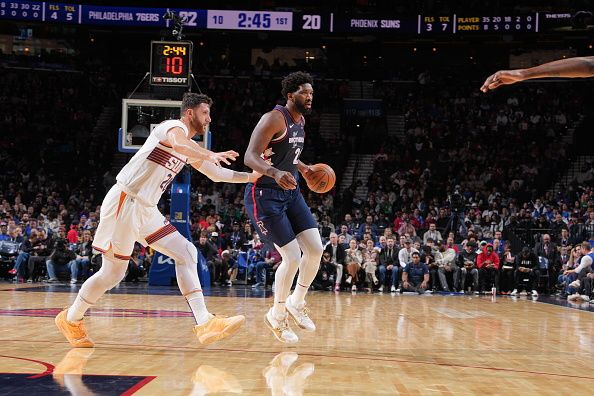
[(124, 220)]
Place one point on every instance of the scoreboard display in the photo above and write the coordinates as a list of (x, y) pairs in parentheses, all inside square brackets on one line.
[(171, 63), (279, 21), (250, 20)]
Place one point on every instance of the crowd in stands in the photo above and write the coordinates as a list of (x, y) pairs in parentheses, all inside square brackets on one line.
[(458, 204)]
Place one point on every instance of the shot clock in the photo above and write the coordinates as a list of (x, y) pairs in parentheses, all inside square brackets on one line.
[(171, 63)]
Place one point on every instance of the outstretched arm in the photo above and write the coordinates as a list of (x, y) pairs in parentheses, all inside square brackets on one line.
[(186, 146), (571, 68), (220, 174)]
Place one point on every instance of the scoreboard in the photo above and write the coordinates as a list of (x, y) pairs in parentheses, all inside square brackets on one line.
[(279, 21)]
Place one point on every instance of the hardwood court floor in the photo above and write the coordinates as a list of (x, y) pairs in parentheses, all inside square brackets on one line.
[(365, 344)]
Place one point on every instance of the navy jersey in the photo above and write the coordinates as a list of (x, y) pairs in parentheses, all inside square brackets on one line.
[(283, 152)]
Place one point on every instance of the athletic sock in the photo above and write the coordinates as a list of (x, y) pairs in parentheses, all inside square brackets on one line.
[(77, 310), (298, 296), (279, 311), (198, 307)]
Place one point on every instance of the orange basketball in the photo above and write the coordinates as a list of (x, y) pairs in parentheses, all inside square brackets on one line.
[(320, 178)]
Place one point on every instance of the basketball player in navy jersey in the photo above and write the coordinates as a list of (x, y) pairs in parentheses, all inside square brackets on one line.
[(276, 207)]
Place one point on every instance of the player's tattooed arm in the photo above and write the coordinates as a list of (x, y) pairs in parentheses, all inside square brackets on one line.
[(186, 146), (570, 68), (271, 125)]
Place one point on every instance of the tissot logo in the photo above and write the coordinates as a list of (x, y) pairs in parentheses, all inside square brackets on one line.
[(174, 80)]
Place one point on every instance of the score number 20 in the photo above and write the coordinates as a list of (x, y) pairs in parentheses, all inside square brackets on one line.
[(312, 22)]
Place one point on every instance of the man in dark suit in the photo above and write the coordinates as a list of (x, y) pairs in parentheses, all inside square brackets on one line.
[(388, 261), (338, 254), (549, 250)]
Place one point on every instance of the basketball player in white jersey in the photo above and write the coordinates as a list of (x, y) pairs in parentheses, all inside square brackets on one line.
[(129, 213)]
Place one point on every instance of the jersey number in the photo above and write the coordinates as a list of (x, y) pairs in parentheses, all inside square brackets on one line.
[(166, 182), (297, 153)]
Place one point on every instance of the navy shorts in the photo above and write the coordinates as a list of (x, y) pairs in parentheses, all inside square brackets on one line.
[(277, 215)]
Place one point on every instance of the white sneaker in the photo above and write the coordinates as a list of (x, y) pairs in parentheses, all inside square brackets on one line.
[(393, 289), (534, 293), (349, 280), (575, 284), (585, 298), (514, 293), (295, 383), (276, 371), (354, 288), (397, 290), (381, 289), (573, 297), (300, 315), (281, 379), (280, 328), (229, 283)]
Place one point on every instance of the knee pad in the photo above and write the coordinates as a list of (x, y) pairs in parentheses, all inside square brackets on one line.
[(293, 256), (110, 275), (315, 250), (186, 255), (311, 243)]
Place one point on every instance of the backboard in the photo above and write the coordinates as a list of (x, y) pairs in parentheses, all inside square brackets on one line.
[(141, 116)]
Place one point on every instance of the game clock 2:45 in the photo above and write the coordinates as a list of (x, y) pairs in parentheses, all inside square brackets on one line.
[(249, 20)]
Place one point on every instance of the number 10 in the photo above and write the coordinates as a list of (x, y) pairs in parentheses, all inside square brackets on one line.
[(175, 65)]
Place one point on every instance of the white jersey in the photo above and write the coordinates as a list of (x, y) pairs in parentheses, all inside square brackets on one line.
[(154, 166)]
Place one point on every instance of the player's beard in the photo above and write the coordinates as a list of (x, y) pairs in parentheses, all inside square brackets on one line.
[(301, 108), (199, 127)]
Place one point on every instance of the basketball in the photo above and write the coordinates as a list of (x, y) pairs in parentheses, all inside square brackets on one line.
[(320, 178)]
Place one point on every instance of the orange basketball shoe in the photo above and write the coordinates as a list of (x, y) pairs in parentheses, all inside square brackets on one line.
[(75, 332), (217, 328), (212, 380), (72, 364)]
